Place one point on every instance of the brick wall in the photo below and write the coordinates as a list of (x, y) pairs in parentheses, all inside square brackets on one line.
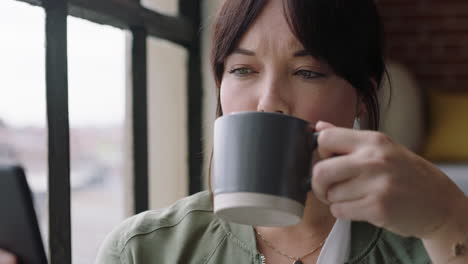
[(430, 37)]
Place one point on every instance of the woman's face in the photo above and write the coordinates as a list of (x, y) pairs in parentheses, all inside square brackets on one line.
[(270, 71)]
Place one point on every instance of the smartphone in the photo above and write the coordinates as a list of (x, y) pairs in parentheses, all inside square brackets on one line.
[(19, 229)]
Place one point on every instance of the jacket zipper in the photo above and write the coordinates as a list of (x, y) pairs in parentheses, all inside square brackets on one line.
[(262, 259)]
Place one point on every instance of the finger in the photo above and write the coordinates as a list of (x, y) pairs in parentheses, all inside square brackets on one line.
[(356, 210), (332, 171), (350, 190), (7, 258), (321, 125), (337, 140)]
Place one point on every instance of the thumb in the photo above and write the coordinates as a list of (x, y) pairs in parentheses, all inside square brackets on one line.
[(7, 258), (323, 153), (322, 125)]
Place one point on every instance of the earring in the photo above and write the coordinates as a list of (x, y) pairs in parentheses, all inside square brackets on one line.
[(357, 123)]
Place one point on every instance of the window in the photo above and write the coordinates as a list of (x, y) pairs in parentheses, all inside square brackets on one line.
[(53, 90)]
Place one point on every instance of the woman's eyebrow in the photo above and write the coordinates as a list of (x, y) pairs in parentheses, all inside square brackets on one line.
[(244, 52), (301, 53)]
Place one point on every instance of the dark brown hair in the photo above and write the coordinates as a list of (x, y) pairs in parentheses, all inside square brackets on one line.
[(345, 34)]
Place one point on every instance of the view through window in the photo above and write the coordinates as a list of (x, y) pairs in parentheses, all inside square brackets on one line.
[(96, 58)]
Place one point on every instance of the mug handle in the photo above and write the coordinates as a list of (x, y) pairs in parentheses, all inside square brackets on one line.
[(313, 141), (313, 144)]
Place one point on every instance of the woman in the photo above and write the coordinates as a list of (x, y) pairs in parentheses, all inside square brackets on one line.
[(316, 60)]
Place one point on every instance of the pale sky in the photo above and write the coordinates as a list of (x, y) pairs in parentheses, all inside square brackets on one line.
[(96, 63)]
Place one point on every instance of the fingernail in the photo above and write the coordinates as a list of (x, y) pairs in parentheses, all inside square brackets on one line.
[(321, 125)]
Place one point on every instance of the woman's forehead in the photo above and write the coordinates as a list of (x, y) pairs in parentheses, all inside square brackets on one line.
[(270, 31)]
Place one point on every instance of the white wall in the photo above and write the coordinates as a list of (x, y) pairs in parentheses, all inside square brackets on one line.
[(167, 7), (167, 82)]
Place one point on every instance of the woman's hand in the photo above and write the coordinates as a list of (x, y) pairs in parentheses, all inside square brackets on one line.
[(7, 258), (365, 176)]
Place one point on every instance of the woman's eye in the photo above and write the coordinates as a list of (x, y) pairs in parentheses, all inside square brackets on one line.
[(241, 71), (309, 74)]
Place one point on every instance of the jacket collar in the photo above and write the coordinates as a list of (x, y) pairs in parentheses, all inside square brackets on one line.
[(242, 235), (364, 237)]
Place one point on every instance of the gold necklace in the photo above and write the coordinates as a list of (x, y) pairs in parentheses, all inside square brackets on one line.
[(297, 260)]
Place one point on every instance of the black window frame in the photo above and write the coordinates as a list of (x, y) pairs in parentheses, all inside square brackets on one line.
[(141, 22)]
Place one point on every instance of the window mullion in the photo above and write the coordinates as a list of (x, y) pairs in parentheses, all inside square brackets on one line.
[(191, 10), (58, 131), (140, 119), (126, 13)]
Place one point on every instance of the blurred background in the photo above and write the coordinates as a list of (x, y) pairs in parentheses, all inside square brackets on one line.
[(426, 50)]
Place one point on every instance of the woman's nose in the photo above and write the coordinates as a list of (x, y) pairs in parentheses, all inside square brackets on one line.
[(272, 100)]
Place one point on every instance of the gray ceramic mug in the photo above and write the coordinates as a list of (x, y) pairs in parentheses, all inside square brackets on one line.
[(261, 168)]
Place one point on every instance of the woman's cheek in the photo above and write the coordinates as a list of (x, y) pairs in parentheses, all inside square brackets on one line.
[(236, 98), (338, 109)]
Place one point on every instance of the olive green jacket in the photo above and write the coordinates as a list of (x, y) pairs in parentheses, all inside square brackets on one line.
[(189, 232)]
